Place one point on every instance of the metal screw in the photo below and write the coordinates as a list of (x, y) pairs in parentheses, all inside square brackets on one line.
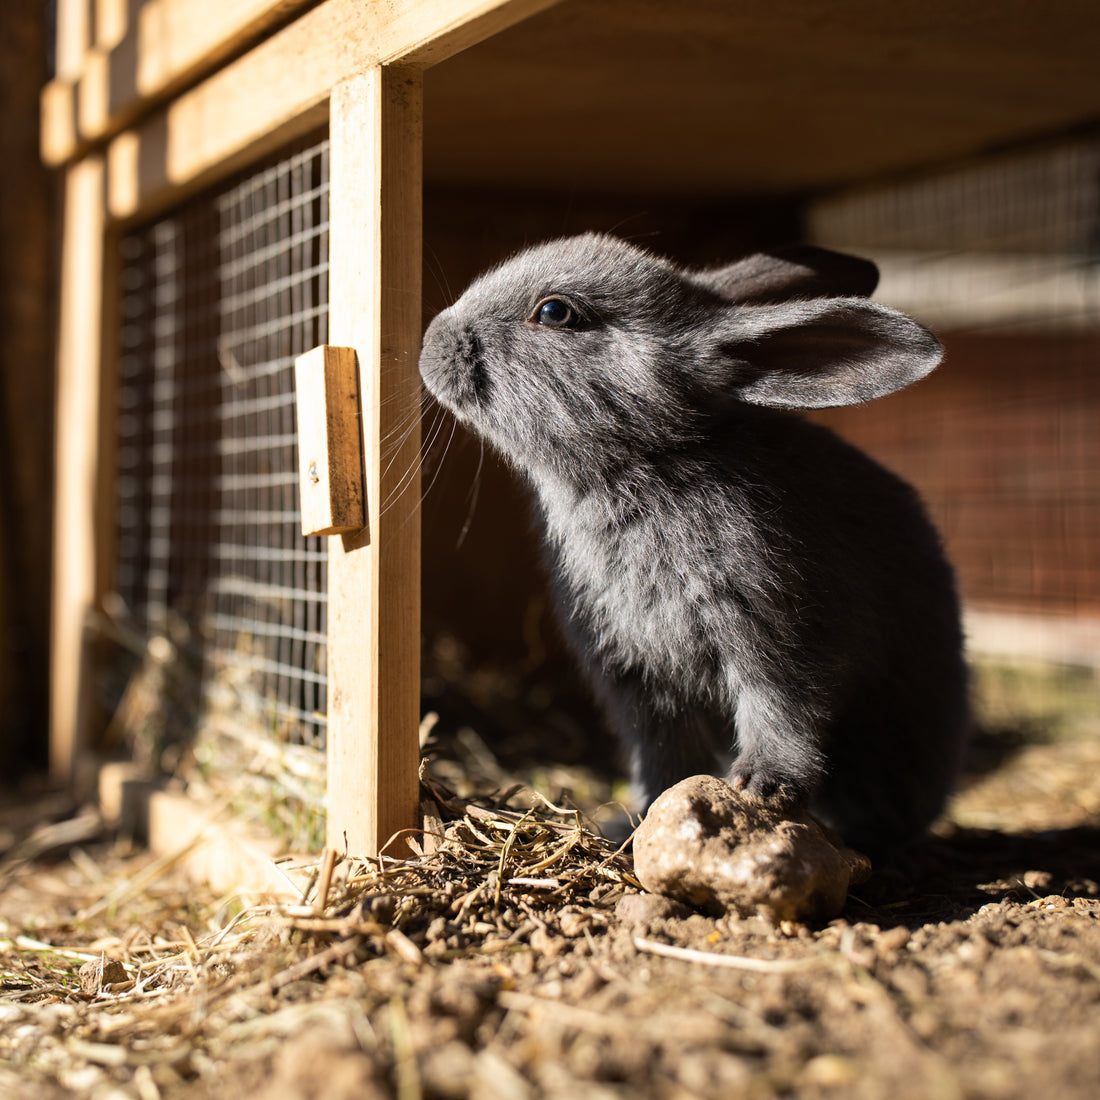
[(314, 476)]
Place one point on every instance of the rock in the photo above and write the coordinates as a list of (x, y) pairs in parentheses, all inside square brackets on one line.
[(706, 844)]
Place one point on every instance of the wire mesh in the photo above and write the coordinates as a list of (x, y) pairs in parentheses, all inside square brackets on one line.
[(218, 297), (1000, 258)]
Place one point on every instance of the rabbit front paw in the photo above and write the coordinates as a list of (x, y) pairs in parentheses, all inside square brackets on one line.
[(753, 775)]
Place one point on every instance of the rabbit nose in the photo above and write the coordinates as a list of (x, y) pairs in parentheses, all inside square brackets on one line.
[(450, 361), (436, 331), (463, 349), (448, 340)]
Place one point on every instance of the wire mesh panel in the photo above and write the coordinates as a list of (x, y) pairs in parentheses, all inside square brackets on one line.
[(1001, 259), (218, 298)]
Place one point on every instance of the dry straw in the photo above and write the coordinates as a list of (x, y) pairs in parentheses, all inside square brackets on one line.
[(111, 996)]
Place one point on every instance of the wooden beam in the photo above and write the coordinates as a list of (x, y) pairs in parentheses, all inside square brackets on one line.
[(77, 483), (374, 577), (427, 32), (199, 836), (237, 112), (170, 44)]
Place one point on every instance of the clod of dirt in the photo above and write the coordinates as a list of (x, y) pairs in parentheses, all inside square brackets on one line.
[(649, 908), (705, 844), (102, 974), (317, 1065)]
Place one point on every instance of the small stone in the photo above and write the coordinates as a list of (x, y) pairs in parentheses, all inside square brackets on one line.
[(446, 1070), (437, 930), (97, 975), (910, 981), (893, 940), (648, 909), (704, 843), (572, 922), (829, 1071), (546, 945)]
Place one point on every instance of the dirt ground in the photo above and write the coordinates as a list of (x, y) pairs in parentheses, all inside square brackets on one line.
[(520, 959)]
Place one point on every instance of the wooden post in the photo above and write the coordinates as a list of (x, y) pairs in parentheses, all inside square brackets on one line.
[(77, 476), (374, 576)]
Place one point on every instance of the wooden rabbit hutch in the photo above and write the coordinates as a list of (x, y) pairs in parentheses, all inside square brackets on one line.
[(247, 179)]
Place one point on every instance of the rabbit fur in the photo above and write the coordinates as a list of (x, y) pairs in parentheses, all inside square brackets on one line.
[(746, 593)]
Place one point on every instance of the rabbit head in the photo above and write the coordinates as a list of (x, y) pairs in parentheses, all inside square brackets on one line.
[(588, 351)]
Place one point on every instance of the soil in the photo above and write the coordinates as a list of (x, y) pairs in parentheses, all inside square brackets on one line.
[(518, 958)]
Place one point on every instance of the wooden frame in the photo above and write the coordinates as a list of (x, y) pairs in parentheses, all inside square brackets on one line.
[(360, 65)]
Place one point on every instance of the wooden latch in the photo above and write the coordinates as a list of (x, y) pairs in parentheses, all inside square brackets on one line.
[(330, 447)]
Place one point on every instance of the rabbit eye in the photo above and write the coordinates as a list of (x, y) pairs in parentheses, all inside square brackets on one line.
[(554, 313)]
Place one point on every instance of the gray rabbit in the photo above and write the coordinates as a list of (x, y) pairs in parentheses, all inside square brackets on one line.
[(745, 591)]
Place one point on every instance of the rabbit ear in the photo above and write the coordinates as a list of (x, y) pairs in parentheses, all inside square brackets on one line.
[(819, 354), (800, 271)]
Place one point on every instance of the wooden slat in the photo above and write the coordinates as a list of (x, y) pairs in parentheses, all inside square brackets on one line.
[(171, 43), (112, 20), (176, 37), (743, 99), (254, 104), (425, 32), (74, 37), (330, 449), (177, 41), (59, 139), (280, 90), (77, 457), (374, 585), (80, 86)]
